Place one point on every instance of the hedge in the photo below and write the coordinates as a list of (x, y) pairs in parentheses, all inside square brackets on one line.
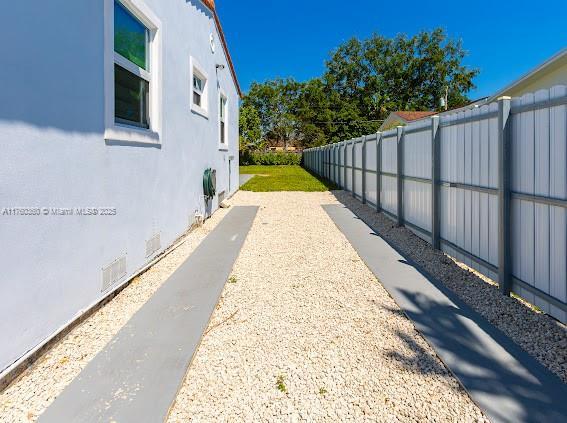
[(270, 158)]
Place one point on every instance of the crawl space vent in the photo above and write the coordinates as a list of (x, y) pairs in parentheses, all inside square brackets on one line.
[(113, 273), (153, 245)]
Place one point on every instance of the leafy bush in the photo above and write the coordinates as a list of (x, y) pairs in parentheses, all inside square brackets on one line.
[(269, 159)]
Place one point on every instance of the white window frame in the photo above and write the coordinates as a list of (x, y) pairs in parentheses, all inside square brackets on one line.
[(126, 133), (223, 146), (200, 91), (197, 70)]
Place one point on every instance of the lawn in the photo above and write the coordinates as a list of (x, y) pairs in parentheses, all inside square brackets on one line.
[(282, 178)]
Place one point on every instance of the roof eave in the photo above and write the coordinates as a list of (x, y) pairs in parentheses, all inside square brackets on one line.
[(549, 62), (225, 47)]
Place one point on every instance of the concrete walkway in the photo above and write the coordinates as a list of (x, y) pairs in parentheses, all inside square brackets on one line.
[(243, 178), (304, 331), (508, 384), (136, 377)]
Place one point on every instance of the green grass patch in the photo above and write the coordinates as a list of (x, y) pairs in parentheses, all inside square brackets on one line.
[(280, 384), (283, 178)]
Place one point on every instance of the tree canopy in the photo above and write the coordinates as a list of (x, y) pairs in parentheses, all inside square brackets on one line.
[(250, 129), (363, 82)]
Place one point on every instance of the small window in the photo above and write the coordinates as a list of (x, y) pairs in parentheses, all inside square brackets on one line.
[(222, 120), (198, 86), (131, 69), (199, 89)]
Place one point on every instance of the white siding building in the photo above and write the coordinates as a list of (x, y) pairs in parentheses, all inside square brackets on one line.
[(111, 111)]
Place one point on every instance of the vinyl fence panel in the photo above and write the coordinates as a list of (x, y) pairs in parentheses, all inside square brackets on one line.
[(370, 170), (389, 164), (348, 170), (358, 169), (469, 188), (417, 177)]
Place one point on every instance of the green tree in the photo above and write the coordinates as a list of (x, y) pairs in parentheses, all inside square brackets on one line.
[(250, 129), (274, 102), (312, 110), (363, 82), (380, 74)]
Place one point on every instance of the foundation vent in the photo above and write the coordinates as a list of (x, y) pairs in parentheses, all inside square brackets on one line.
[(222, 196), (113, 273), (153, 245)]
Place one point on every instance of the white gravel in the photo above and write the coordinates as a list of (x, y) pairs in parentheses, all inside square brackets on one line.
[(304, 332), (538, 334), (26, 398)]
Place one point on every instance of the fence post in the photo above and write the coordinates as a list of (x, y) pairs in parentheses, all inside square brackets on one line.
[(325, 163), (314, 159), (330, 155), (504, 265), (435, 175), (345, 145), (334, 149), (400, 172), (322, 158), (339, 165), (363, 166), (353, 157), (378, 170), (332, 160)]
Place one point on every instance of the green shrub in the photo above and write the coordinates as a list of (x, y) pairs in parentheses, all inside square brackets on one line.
[(271, 158)]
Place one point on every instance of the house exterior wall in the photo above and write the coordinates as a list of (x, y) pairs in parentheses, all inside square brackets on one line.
[(54, 155), (550, 76)]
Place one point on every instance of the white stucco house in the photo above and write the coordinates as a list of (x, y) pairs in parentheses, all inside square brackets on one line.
[(548, 74), (111, 112)]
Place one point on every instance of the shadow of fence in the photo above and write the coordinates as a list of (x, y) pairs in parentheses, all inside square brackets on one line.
[(508, 387)]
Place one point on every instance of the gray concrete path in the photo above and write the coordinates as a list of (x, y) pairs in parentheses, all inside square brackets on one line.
[(243, 178), (506, 383), (136, 377)]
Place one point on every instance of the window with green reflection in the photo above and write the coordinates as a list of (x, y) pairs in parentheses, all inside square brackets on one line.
[(130, 37), (131, 98)]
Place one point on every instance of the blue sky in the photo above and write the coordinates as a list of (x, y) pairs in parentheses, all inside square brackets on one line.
[(504, 38)]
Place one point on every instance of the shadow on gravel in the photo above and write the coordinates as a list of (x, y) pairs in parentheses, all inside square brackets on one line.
[(435, 322), (507, 392)]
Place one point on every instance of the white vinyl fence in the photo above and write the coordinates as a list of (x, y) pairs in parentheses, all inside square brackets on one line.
[(498, 200)]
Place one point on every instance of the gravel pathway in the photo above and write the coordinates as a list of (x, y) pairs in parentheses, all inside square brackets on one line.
[(538, 334), (304, 332), (36, 389)]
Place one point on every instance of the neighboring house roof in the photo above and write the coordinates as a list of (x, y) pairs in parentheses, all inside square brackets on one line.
[(551, 72), (472, 105), (404, 117), (211, 5), (413, 115)]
